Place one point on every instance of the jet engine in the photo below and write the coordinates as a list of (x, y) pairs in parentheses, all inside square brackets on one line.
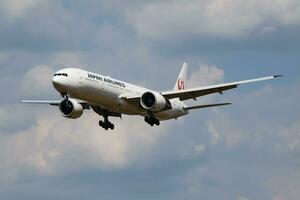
[(153, 101), (70, 108)]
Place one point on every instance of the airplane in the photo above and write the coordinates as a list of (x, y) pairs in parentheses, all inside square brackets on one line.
[(110, 97)]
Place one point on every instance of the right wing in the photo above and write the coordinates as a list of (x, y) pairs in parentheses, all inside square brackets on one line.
[(86, 105), (50, 102)]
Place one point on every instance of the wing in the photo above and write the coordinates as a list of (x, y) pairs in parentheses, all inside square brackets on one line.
[(206, 106), (86, 105), (50, 102), (193, 93)]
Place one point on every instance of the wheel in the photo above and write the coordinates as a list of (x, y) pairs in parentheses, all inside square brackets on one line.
[(146, 119), (112, 126), (157, 122)]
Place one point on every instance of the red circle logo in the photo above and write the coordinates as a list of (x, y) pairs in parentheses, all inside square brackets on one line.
[(180, 84)]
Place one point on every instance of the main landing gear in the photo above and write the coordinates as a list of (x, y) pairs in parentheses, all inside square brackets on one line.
[(106, 124), (152, 120)]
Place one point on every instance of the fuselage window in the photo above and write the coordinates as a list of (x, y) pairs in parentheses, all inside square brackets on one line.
[(61, 74)]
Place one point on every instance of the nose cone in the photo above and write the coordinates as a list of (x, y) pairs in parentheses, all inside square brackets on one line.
[(59, 83)]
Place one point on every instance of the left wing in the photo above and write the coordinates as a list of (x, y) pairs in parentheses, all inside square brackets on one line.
[(193, 93)]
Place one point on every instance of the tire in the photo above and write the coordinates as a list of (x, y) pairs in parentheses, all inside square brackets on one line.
[(106, 126), (112, 126)]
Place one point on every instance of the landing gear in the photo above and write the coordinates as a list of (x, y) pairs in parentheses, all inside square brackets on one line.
[(106, 124), (152, 120)]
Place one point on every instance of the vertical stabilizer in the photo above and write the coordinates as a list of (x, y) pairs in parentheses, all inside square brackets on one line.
[(181, 80)]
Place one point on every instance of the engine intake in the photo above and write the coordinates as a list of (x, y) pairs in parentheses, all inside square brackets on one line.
[(70, 108), (153, 101)]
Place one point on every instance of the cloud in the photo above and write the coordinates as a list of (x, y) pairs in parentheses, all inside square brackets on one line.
[(206, 75), (54, 145), (37, 81), (214, 135), (260, 131), (242, 198), (199, 149), (55, 27), (217, 18), (66, 59), (18, 8), (233, 128), (284, 185), (203, 76)]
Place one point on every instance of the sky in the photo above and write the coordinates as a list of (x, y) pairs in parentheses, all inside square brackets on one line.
[(249, 150)]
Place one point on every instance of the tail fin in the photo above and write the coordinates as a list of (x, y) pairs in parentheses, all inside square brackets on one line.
[(181, 80)]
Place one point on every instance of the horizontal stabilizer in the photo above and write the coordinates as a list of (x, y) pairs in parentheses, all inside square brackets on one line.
[(206, 106)]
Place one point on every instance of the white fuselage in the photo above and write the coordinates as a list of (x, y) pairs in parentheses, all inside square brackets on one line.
[(107, 93)]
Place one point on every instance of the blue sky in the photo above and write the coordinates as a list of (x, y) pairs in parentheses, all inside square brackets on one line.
[(249, 150)]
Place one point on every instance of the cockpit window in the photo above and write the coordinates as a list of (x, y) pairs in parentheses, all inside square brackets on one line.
[(61, 74)]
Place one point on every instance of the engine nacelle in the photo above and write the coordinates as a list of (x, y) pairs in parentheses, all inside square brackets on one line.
[(70, 108), (153, 101)]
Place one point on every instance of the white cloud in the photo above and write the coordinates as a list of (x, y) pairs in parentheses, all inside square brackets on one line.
[(221, 18), (3, 56), (199, 149), (214, 134), (205, 75), (17, 8), (37, 81), (242, 198), (67, 59), (250, 120), (285, 186), (225, 128), (55, 145)]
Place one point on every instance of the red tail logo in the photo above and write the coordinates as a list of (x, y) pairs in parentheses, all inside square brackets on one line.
[(180, 84)]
